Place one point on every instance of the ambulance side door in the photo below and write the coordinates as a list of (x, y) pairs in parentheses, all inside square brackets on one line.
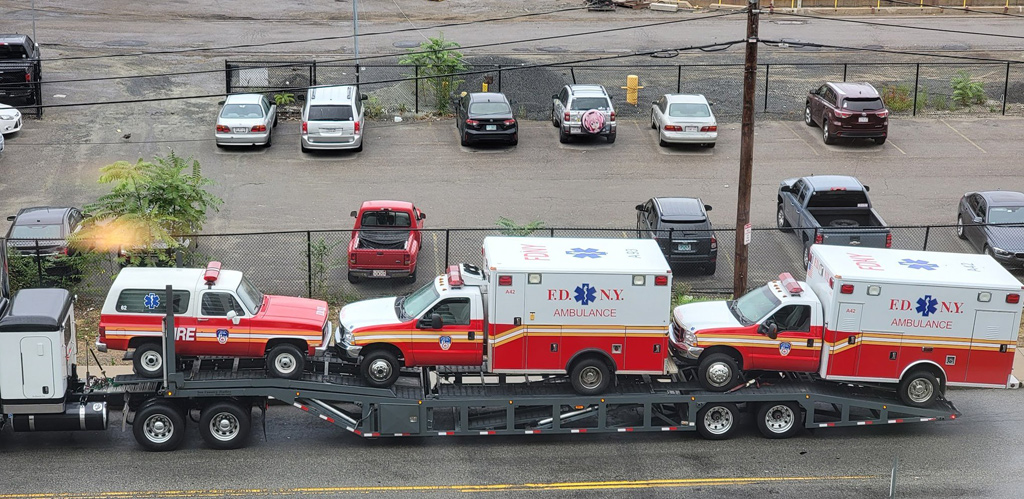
[(216, 334), (991, 358)]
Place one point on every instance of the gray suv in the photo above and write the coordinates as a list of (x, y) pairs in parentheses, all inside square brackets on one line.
[(583, 110)]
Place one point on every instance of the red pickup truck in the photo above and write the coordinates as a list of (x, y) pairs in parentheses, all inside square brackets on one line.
[(385, 241)]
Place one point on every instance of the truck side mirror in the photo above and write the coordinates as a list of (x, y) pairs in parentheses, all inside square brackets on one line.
[(707, 207), (436, 322), (769, 328), (423, 215), (220, 103), (233, 317), (639, 207), (363, 97), (10, 218), (867, 188), (785, 188), (300, 97), (353, 214)]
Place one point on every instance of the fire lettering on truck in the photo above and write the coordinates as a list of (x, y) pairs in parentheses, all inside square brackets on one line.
[(184, 334), (535, 252)]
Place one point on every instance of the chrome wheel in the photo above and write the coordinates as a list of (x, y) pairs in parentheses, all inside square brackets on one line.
[(380, 370), (807, 115), (224, 426), (960, 227), (718, 420), (719, 374), (158, 428), (591, 377), (779, 418), (780, 218), (920, 390)]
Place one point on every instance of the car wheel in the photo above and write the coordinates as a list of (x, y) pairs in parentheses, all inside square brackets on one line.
[(710, 145), (960, 227), (661, 141), (611, 138), (380, 368), (464, 139), (270, 137), (286, 361), (412, 276), (275, 121), (919, 389), (654, 126), (220, 146), (826, 135), (304, 148), (879, 140), (148, 360), (159, 427), (718, 372), (562, 136), (225, 425), (780, 220), (515, 140), (709, 268), (354, 279), (808, 120), (361, 141), (554, 119)]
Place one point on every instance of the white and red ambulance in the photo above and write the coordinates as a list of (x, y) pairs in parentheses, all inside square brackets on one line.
[(586, 307), (924, 320), (217, 313)]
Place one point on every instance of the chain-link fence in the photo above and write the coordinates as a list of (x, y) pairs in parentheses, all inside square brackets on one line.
[(314, 263), (909, 89)]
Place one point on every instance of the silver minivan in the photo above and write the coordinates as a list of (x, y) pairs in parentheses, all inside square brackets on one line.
[(332, 118)]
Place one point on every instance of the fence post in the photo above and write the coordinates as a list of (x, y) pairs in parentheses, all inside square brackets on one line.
[(227, 77), (447, 241), (844, 71), (927, 230), (312, 74), (1006, 86), (679, 78), (917, 79), (417, 105), (499, 77), (39, 264), (309, 265), (572, 71), (552, 232), (766, 69)]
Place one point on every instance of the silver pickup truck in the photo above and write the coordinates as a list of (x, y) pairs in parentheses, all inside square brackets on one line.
[(830, 209)]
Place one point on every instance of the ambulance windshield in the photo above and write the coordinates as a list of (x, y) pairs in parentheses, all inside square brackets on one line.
[(250, 296), (414, 304), (754, 306)]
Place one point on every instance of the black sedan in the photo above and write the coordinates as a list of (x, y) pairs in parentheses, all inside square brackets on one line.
[(43, 230), (486, 117), (993, 222)]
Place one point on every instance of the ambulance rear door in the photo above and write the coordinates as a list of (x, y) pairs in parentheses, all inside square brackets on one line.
[(991, 356)]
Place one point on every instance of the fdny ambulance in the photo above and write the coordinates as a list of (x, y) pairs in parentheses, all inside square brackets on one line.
[(921, 320), (217, 313), (586, 307)]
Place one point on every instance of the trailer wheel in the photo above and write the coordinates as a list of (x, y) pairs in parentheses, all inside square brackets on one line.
[(779, 419), (590, 376), (380, 368), (919, 389), (148, 360), (718, 372), (286, 361), (159, 427), (225, 425), (717, 420)]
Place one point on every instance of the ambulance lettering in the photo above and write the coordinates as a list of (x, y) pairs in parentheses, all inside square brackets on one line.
[(927, 306), (865, 262), (535, 252), (585, 294)]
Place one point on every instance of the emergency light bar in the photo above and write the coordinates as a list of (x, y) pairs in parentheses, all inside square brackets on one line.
[(454, 276), (212, 273), (790, 284)]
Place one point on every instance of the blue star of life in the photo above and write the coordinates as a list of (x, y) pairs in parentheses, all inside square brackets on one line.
[(585, 253), (919, 264), (926, 306), (585, 294), (151, 301)]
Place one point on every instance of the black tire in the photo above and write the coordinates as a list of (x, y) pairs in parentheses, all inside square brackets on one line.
[(412, 276), (275, 120), (270, 138), (159, 427), (654, 126), (463, 139), (354, 279), (780, 419), (780, 220), (225, 425), (148, 360), (286, 361), (960, 227), (562, 136), (220, 146), (709, 268), (879, 140), (826, 135), (710, 145), (362, 142), (718, 372), (808, 120), (515, 141), (661, 141), (304, 148), (919, 388), (554, 121), (590, 376), (611, 138), (380, 368), (718, 420)]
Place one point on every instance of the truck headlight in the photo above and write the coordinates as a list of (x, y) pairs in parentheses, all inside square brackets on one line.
[(689, 338), (348, 337), (1001, 252)]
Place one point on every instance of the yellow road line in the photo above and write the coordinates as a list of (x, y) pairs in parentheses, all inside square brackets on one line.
[(964, 136), (465, 488)]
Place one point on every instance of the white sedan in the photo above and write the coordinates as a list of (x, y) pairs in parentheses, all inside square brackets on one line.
[(246, 120), (684, 119), (10, 119)]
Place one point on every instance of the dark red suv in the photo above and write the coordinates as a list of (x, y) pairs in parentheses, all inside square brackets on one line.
[(847, 110)]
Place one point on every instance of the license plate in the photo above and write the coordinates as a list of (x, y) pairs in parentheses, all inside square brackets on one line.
[(492, 127), (241, 129), (690, 129), (683, 247), (380, 273), (862, 119), (574, 129), (328, 130)]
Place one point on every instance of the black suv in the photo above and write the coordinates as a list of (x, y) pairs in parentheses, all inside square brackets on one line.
[(46, 226), (682, 229), (485, 117)]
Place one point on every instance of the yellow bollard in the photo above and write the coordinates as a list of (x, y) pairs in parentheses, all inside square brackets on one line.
[(632, 89), (485, 87)]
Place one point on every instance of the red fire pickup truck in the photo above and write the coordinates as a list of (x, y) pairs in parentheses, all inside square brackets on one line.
[(385, 241)]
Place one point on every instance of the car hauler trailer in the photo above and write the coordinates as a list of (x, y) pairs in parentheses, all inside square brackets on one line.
[(427, 406)]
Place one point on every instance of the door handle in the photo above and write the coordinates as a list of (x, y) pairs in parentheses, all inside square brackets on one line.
[(472, 335), (201, 320)]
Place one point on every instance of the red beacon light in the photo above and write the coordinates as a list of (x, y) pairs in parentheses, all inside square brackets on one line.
[(454, 276), (790, 284), (212, 273)]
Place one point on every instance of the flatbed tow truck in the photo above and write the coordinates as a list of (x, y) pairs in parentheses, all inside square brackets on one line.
[(435, 402)]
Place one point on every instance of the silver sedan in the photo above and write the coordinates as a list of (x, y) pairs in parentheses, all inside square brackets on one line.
[(246, 120), (10, 119), (684, 119)]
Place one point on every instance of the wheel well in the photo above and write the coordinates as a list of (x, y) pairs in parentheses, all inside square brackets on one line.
[(929, 367), (300, 344), (384, 346), (779, 199), (139, 340), (730, 351), (587, 354)]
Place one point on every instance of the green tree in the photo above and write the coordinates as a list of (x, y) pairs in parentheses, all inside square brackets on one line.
[(510, 227), (149, 204), (438, 63)]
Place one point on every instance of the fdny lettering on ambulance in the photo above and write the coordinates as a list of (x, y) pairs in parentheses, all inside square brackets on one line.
[(927, 307), (585, 295)]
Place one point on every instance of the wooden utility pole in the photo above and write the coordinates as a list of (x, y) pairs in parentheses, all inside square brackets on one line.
[(739, 280)]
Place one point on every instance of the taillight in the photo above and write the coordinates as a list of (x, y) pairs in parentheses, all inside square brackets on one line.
[(64, 251), (1013, 298), (509, 122), (714, 243), (357, 127), (408, 260), (566, 116), (352, 259), (888, 240), (712, 128), (673, 128), (818, 238), (259, 128), (223, 129), (305, 128), (28, 76), (661, 280), (883, 113), (843, 114), (846, 289), (472, 123), (612, 116), (103, 334)]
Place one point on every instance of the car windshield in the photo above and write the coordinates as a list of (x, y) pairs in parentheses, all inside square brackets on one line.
[(489, 108), (385, 219), (36, 232), (587, 103), (235, 111), (330, 113), (754, 306), (689, 110), (250, 296), (414, 304), (863, 104), (1006, 215), (838, 199)]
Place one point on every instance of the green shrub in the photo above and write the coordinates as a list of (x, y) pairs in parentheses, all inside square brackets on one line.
[(373, 108), (897, 98), (284, 99), (939, 102), (966, 90), (922, 98), (512, 228)]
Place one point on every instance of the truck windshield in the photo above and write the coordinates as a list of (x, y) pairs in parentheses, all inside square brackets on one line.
[(838, 199), (250, 296), (753, 306), (414, 304)]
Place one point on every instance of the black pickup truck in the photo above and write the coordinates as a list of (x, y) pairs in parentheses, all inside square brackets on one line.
[(830, 209), (20, 70)]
